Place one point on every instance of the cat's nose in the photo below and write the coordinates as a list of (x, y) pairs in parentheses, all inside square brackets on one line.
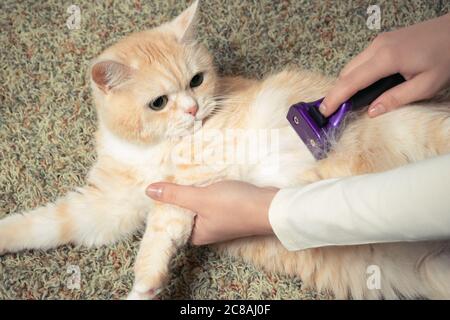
[(192, 110)]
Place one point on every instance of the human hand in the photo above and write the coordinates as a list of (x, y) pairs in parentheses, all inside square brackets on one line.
[(421, 53), (225, 210)]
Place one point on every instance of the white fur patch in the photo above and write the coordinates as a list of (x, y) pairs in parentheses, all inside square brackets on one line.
[(266, 110), (138, 156)]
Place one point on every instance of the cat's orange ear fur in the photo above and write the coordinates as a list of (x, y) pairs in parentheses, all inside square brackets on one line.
[(110, 74), (184, 26)]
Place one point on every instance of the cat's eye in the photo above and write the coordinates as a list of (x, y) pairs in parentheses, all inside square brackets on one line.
[(159, 103), (196, 80)]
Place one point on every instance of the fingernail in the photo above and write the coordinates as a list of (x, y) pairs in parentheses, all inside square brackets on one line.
[(376, 110), (154, 191), (322, 108)]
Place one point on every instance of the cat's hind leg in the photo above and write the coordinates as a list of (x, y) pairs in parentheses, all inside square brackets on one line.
[(88, 216)]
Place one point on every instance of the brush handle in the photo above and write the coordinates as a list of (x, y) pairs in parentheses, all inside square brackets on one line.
[(368, 95), (359, 100)]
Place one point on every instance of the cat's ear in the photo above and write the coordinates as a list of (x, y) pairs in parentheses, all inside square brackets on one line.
[(110, 74), (184, 26)]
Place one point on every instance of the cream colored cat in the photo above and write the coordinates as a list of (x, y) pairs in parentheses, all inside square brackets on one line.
[(150, 90)]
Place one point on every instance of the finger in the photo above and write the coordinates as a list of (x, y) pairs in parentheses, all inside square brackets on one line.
[(198, 236), (359, 78), (418, 88), (188, 197), (195, 238), (198, 240)]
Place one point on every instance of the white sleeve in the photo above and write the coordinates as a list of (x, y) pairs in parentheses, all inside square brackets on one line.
[(409, 203)]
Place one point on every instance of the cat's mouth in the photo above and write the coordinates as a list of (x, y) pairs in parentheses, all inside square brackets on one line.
[(189, 126)]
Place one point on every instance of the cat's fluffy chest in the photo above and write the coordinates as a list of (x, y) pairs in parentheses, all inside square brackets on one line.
[(159, 162), (147, 162)]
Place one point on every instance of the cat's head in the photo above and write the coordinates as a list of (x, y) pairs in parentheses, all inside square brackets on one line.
[(155, 84)]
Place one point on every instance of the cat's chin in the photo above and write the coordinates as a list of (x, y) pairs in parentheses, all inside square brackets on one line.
[(190, 128), (181, 133)]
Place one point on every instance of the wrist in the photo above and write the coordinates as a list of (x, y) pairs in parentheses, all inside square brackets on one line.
[(263, 226)]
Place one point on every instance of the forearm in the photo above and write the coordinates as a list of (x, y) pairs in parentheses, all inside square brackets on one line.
[(406, 204)]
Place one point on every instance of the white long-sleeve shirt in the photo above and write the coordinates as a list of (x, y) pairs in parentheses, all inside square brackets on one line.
[(409, 203)]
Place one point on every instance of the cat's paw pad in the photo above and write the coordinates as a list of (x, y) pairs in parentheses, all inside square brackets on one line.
[(143, 293)]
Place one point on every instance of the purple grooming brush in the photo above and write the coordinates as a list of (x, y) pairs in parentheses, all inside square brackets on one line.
[(315, 130)]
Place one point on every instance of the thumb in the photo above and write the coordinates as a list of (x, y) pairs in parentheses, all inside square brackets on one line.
[(418, 88), (184, 196)]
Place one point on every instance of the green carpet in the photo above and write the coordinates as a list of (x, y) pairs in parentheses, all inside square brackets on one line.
[(47, 121)]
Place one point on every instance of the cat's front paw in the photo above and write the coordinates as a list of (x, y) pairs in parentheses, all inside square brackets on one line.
[(150, 277), (143, 293)]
